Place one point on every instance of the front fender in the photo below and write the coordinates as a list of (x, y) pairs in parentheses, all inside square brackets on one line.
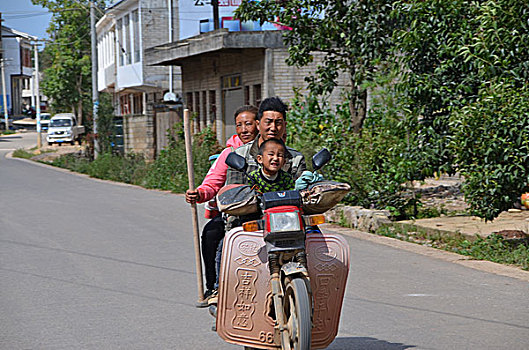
[(292, 268)]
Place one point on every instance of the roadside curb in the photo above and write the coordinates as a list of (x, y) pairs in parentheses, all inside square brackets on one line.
[(481, 265)]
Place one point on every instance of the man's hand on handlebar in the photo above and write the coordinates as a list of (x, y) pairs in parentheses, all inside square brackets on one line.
[(192, 196)]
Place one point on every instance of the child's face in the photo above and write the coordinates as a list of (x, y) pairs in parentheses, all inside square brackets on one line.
[(273, 158)]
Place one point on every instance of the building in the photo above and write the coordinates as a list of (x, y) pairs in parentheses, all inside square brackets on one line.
[(224, 69), (124, 33), (17, 55)]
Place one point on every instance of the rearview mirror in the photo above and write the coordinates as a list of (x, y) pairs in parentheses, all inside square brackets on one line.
[(236, 161), (320, 159)]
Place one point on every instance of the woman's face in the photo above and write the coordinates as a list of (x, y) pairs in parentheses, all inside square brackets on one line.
[(246, 126)]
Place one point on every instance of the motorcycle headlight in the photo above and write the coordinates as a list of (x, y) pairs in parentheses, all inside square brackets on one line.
[(284, 222)]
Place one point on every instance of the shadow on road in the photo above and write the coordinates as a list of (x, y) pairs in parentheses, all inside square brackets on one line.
[(96, 256), (9, 138), (365, 343), (444, 313)]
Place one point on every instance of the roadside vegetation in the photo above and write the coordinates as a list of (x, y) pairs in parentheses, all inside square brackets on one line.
[(22, 153), (28, 154), (495, 247), (7, 132), (167, 172)]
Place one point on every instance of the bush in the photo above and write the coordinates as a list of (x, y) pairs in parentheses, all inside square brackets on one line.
[(492, 149), (378, 163), (383, 160), (130, 168), (169, 171)]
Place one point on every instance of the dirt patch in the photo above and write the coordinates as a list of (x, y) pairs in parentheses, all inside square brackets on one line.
[(512, 234), (443, 193), (50, 153)]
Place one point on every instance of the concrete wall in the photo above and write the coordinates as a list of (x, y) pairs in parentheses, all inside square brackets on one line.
[(139, 134), (165, 122), (282, 78)]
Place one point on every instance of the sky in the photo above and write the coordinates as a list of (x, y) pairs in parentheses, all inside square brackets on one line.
[(25, 17)]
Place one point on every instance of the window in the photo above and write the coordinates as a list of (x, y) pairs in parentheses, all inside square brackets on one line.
[(196, 109), (189, 101), (247, 95), (124, 104), (204, 106), (138, 103), (120, 48), (136, 35), (212, 105), (126, 38), (257, 95), (26, 57)]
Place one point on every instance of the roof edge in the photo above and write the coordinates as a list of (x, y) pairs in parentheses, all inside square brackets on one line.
[(221, 39)]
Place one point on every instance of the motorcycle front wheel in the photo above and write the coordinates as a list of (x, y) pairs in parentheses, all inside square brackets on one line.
[(297, 308)]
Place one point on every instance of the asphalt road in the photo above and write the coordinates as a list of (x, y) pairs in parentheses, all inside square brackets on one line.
[(87, 264)]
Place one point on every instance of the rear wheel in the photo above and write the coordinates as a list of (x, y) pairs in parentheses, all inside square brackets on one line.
[(297, 309)]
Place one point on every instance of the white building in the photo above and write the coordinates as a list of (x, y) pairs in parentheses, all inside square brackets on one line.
[(18, 63), (127, 29)]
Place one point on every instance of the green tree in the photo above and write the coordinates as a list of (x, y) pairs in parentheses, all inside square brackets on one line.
[(354, 38), (492, 149), (449, 51), (67, 81), (435, 80)]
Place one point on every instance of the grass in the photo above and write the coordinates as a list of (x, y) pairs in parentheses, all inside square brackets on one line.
[(28, 153), (22, 153), (7, 132), (130, 169), (493, 248)]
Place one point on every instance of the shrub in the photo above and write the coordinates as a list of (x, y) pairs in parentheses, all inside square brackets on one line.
[(130, 168), (491, 149), (378, 163), (169, 171)]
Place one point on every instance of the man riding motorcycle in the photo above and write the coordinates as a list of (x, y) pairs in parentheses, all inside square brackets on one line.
[(271, 125)]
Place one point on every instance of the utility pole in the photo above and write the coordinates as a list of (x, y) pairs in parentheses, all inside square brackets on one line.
[(215, 4), (95, 91), (37, 87), (170, 27), (6, 115)]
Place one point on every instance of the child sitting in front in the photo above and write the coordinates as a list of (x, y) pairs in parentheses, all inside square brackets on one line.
[(270, 177)]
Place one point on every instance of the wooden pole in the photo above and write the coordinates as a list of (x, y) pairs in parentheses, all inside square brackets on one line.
[(191, 177)]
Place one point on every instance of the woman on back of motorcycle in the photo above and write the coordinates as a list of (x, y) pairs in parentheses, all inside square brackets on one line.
[(213, 232)]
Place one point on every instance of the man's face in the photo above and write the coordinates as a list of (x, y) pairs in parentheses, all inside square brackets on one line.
[(272, 125), (272, 159), (246, 126)]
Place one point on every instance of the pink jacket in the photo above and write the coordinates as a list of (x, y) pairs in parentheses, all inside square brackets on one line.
[(216, 176)]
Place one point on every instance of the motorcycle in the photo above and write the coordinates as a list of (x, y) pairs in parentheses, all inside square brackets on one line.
[(282, 280)]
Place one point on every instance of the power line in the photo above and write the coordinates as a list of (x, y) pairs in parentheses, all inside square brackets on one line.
[(25, 16)]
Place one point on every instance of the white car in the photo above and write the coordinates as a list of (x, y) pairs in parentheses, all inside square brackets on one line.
[(63, 128), (45, 120)]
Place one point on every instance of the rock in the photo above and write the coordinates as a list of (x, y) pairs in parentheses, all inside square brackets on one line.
[(359, 217)]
